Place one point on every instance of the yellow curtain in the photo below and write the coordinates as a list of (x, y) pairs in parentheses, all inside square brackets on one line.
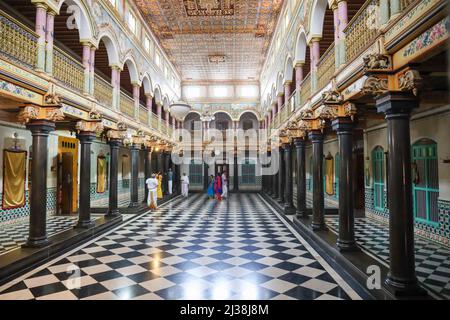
[(329, 176), (101, 174), (14, 172)]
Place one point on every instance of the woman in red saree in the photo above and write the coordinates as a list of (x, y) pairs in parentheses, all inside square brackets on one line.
[(218, 187)]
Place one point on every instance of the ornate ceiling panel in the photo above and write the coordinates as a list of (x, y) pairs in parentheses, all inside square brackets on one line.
[(213, 39)]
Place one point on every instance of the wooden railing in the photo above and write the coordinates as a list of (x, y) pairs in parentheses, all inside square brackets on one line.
[(326, 67), (103, 91), (18, 43), (67, 70), (361, 30), (126, 105), (305, 91), (143, 115)]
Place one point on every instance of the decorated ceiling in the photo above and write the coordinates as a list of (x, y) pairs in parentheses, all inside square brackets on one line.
[(213, 40)]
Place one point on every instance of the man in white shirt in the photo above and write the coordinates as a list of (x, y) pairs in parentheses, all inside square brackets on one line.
[(170, 180), (224, 185), (184, 185), (152, 198)]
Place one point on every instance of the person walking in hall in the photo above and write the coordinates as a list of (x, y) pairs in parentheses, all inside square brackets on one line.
[(210, 191), (184, 185), (224, 185), (218, 187), (152, 185), (170, 180), (159, 191)]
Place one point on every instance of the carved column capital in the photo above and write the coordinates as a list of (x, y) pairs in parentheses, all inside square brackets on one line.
[(32, 112)]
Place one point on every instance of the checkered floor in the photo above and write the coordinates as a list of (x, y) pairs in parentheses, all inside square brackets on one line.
[(190, 249), (13, 236), (432, 260)]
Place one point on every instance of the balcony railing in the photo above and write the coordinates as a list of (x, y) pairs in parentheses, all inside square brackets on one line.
[(67, 70), (305, 91), (126, 105), (326, 67), (143, 114), (18, 43), (361, 30), (103, 91)]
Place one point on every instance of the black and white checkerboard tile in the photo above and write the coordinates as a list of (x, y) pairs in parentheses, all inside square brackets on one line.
[(14, 235), (190, 249), (432, 260)]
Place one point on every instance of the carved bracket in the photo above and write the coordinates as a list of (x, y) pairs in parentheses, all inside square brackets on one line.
[(33, 112), (410, 81), (376, 62), (375, 85)]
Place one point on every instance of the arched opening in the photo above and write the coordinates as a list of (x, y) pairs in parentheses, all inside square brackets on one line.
[(192, 122)]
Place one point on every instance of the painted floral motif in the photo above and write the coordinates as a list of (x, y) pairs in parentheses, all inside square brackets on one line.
[(9, 87), (437, 32)]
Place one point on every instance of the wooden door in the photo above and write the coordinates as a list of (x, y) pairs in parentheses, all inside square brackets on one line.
[(67, 183)]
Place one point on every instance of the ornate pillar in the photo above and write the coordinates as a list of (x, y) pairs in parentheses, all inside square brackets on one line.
[(149, 105), (134, 183), (147, 169), (159, 114), (343, 21), (275, 176), (41, 22), (288, 204), (38, 203), (281, 176), (235, 173), (49, 37), (346, 240), (397, 108), (115, 82), (384, 12), (86, 66), (315, 56), (318, 222), (114, 142), (298, 75), (92, 71), (300, 144), (136, 89), (280, 101), (395, 8), (334, 7), (287, 91), (84, 215), (40, 121)]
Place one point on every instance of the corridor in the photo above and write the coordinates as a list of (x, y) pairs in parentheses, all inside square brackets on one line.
[(190, 249)]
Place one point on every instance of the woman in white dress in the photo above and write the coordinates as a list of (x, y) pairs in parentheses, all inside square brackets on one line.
[(152, 199)]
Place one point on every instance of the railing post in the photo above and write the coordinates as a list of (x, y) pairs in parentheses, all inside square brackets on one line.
[(41, 22), (49, 37)]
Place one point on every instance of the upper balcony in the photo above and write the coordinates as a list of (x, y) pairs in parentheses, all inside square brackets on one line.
[(341, 65), (83, 72)]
